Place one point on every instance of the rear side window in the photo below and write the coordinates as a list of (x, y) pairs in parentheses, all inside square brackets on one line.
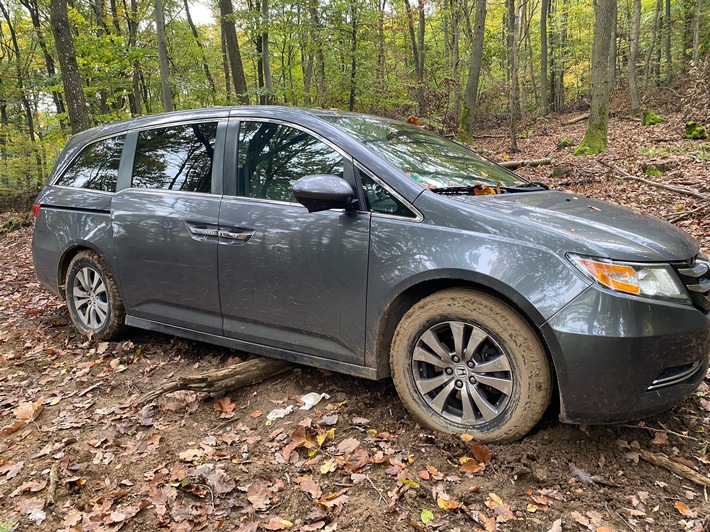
[(176, 158), (96, 167)]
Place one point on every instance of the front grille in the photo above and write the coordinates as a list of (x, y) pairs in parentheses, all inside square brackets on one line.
[(674, 375), (696, 278)]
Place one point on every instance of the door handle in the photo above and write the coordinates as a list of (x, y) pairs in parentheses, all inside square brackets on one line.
[(241, 236), (203, 231)]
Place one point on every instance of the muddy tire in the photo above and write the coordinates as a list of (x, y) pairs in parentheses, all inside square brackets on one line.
[(463, 361), (95, 306)]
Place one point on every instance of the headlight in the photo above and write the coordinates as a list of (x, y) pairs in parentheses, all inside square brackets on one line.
[(648, 280)]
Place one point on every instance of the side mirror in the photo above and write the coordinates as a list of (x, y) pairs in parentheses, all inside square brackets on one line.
[(320, 192)]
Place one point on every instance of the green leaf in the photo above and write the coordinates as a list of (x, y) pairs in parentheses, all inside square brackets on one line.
[(427, 516)]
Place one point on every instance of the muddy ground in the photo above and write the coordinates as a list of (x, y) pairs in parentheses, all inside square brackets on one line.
[(356, 461)]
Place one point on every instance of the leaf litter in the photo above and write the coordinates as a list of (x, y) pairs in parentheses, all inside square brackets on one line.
[(355, 459)]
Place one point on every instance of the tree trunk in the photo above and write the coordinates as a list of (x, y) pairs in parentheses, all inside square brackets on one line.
[(455, 59), (514, 21), (667, 36), (134, 98), (544, 91), (205, 66), (71, 79), (353, 54), (265, 61), (633, 55), (474, 72), (696, 32), (612, 48), (320, 58), (226, 12), (654, 35), (33, 9), (595, 138), (381, 39), (163, 56)]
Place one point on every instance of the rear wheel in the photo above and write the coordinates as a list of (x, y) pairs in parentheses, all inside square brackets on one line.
[(95, 307), (465, 362)]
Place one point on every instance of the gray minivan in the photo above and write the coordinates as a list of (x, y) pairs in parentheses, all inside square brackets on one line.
[(376, 248)]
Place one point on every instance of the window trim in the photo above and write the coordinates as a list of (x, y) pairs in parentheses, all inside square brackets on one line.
[(348, 168), (419, 217)]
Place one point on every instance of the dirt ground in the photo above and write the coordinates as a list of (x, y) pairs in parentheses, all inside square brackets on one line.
[(77, 453)]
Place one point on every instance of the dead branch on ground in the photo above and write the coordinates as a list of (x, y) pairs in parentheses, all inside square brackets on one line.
[(675, 468), (575, 120), (217, 382), (625, 175), (530, 162)]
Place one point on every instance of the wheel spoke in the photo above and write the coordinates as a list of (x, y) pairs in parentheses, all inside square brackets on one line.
[(422, 355), (427, 385), (457, 330), (476, 339), (83, 277), (491, 366), (503, 385), (488, 411), (102, 307), (430, 339), (439, 402), (469, 415)]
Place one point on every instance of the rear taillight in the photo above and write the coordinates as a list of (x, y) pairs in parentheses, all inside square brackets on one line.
[(35, 209)]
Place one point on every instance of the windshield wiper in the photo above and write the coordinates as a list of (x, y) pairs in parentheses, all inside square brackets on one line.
[(471, 190)]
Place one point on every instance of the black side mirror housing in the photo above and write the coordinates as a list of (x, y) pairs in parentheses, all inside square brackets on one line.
[(320, 192)]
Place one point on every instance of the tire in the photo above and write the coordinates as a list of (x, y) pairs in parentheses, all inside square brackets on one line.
[(95, 306), (463, 361)]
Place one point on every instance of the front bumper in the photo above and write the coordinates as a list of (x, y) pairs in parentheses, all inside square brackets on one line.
[(620, 358)]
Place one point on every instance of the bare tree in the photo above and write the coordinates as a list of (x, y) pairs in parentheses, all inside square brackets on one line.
[(633, 56), (234, 57), (205, 65), (163, 56), (595, 138), (475, 60), (71, 79)]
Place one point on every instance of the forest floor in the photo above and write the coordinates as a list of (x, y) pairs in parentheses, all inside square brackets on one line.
[(356, 461)]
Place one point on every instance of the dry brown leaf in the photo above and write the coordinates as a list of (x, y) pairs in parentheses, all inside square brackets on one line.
[(685, 510), (481, 452), (471, 466), (311, 487), (348, 445), (661, 438)]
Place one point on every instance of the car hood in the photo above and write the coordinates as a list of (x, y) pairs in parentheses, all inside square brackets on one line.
[(593, 226)]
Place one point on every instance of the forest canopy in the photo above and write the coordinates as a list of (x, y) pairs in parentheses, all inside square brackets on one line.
[(454, 64)]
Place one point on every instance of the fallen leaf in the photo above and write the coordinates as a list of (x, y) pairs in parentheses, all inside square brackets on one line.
[(471, 466), (685, 510), (311, 487), (348, 445), (258, 494), (426, 516), (481, 452), (661, 438)]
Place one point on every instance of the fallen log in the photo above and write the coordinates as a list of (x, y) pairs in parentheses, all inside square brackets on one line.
[(575, 120), (531, 162), (625, 175), (216, 382), (675, 468)]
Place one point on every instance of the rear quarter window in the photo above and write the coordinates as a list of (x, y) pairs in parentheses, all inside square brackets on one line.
[(96, 167)]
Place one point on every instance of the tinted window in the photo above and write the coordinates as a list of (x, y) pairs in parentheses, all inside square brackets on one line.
[(382, 201), (176, 158), (272, 156), (96, 167)]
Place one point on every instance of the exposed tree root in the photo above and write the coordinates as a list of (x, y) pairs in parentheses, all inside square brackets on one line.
[(216, 382)]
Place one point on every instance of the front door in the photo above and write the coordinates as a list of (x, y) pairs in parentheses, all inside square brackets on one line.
[(290, 279)]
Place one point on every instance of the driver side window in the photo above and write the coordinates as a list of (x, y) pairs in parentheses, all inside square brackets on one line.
[(272, 156)]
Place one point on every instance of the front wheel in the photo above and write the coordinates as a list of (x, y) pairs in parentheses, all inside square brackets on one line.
[(95, 307), (463, 361)]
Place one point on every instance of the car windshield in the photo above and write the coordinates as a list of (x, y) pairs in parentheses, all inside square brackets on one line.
[(429, 159)]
